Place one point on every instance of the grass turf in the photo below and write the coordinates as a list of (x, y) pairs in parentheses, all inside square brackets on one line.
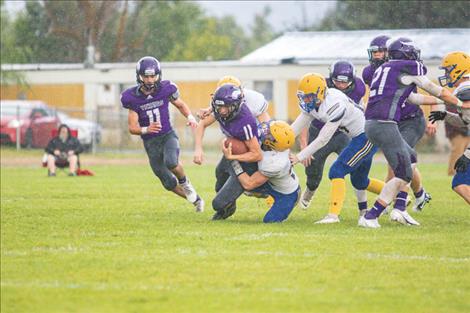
[(117, 242)]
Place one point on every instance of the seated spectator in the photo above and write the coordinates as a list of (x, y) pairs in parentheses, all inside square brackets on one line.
[(63, 151)]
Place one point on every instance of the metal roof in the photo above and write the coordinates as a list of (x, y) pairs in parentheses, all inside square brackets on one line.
[(305, 47)]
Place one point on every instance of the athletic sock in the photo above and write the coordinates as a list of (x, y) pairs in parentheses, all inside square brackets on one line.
[(375, 211), (182, 180), (338, 193), (375, 185), (400, 202), (419, 194), (362, 205)]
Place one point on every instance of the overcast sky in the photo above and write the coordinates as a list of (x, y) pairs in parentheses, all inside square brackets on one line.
[(283, 13)]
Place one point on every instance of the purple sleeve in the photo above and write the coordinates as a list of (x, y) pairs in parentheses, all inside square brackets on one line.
[(125, 101), (414, 68), (361, 88), (367, 74)]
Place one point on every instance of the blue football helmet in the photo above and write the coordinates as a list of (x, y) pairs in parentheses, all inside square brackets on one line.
[(148, 66)]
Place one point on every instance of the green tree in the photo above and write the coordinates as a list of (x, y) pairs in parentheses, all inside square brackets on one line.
[(396, 14), (261, 30)]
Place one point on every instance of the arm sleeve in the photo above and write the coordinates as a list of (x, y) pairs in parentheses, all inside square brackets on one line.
[(77, 146), (322, 139), (302, 121), (422, 82)]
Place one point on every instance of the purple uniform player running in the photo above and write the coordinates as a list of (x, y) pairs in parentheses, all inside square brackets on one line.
[(412, 124), (149, 117), (237, 121), (392, 84)]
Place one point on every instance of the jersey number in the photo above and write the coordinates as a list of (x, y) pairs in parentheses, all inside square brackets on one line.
[(154, 115), (383, 77)]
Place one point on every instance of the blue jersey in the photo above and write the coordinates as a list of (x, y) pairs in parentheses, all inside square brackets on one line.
[(152, 107), (387, 93)]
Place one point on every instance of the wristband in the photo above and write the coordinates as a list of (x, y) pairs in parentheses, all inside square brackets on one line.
[(459, 103), (191, 118), (144, 130), (237, 167)]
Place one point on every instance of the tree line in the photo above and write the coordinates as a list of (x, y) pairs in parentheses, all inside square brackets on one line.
[(122, 31)]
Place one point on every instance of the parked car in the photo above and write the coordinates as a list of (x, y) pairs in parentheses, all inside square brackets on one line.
[(35, 121), (86, 129)]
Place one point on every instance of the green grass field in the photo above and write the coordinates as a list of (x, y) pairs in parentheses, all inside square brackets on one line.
[(117, 242)]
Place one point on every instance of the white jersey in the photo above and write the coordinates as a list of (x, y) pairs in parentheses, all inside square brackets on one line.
[(462, 119), (339, 106), (276, 165), (255, 101)]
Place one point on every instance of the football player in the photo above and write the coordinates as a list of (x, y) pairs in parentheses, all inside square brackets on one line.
[(457, 74), (236, 120), (392, 84), (149, 117), (274, 176), (342, 77), (337, 111), (412, 125)]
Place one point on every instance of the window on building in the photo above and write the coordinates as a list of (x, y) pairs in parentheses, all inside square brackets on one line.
[(265, 87)]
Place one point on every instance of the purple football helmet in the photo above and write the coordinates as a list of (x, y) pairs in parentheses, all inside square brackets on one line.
[(148, 66), (379, 43), (342, 71), (403, 49), (228, 96)]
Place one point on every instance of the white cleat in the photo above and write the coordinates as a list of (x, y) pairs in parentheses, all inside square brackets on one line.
[(189, 191), (306, 198), (402, 217), (364, 222), (329, 219), (421, 202), (199, 205)]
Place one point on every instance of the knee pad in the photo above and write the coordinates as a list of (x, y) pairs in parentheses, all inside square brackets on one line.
[(338, 170), (359, 182), (171, 164), (169, 184)]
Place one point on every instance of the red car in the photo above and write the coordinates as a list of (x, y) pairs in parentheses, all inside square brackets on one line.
[(36, 122)]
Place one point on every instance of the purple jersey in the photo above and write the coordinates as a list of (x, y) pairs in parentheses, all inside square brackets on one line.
[(153, 107), (367, 74), (409, 110), (387, 93), (242, 126)]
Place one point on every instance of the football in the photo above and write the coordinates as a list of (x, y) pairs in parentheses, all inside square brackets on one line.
[(238, 146)]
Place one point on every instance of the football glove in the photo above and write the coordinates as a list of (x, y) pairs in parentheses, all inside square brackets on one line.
[(437, 116), (461, 164)]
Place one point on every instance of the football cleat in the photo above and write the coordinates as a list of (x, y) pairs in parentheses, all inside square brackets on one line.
[(222, 215), (402, 217), (368, 223), (189, 191), (306, 198), (329, 219), (199, 205), (421, 202)]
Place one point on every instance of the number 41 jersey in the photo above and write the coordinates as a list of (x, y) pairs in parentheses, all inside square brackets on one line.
[(388, 93), (153, 107)]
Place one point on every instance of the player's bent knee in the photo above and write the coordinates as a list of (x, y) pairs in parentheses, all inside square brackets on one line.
[(359, 184), (169, 184), (338, 170)]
